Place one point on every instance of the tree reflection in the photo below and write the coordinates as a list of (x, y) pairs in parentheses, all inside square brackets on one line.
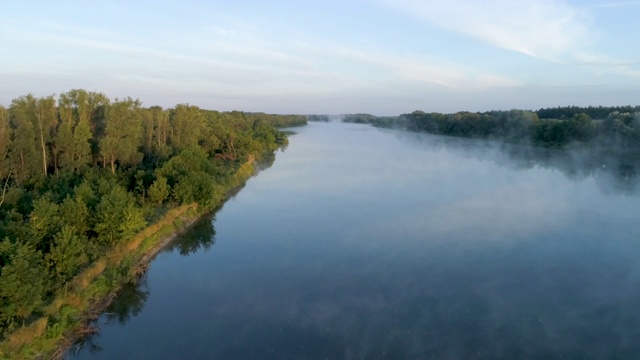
[(613, 171), (129, 303), (201, 235)]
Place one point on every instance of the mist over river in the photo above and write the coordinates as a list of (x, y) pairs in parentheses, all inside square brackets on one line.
[(365, 243)]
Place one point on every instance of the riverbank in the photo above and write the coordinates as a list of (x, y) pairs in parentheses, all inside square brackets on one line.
[(71, 313), (172, 221)]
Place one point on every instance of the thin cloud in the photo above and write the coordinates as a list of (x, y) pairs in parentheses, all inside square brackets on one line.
[(606, 64), (618, 4), (550, 30), (409, 68), (542, 29)]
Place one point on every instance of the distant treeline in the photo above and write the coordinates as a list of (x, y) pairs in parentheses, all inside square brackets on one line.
[(613, 127), (81, 173)]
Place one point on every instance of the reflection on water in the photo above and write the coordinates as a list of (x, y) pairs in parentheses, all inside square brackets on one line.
[(201, 236), (368, 243), (130, 302), (614, 171)]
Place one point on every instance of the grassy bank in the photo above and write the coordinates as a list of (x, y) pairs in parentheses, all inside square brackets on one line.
[(89, 293)]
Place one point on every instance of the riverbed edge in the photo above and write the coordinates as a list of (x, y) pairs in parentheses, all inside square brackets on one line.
[(87, 296)]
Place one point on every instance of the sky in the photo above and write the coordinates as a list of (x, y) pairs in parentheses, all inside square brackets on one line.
[(383, 57)]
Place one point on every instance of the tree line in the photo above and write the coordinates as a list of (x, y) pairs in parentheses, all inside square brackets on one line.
[(80, 173), (607, 127)]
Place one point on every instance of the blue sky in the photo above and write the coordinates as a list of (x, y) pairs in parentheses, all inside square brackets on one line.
[(384, 57)]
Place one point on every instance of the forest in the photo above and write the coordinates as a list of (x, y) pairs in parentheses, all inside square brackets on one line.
[(81, 174), (615, 128)]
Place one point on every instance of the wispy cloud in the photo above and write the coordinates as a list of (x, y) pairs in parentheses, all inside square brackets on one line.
[(237, 57), (543, 29), (385, 68), (603, 64), (462, 52), (618, 4), (550, 30)]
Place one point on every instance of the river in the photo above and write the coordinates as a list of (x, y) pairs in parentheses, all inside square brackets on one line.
[(366, 243)]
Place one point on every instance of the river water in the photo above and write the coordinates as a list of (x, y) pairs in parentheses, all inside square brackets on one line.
[(364, 243)]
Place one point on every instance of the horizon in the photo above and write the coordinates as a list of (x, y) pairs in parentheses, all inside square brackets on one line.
[(379, 57), (56, 96)]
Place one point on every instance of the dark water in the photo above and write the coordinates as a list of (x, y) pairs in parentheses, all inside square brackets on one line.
[(360, 243)]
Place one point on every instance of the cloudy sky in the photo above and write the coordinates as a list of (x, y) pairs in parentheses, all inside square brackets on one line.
[(384, 57)]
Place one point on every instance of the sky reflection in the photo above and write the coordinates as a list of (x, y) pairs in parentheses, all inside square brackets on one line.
[(367, 244)]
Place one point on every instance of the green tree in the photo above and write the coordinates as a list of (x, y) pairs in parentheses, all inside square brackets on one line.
[(122, 134), (73, 141), (24, 282), (196, 187), (67, 255), (23, 152), (74, 214), (155, 129), (188, 161), (44, 222), (186, 124), (5, 143), (159, 190), (42, 116), (45, 122), (132, 221), (118, 217)]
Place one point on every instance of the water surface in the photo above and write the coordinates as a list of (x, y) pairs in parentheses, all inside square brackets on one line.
[(362, 243)]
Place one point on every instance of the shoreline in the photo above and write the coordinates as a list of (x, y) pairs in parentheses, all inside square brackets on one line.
[(99, 307), (95, 310), (87, 296)]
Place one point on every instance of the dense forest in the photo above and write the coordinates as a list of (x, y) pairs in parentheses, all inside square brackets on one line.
[(607, 127), (81, 173)]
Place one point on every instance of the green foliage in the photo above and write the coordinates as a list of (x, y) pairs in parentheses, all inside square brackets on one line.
[(24, 282), (68, 254), (44, 222), (23, 153), (118, 217), (594, 112), (5, 143), (78, 111), (558, 127), (196, 187), (74, 214), (16, 228), (123, 133), (186, 125), (188, 161), (132, 221), (159, 190), (85, 194), (73, 170), (277, 120)]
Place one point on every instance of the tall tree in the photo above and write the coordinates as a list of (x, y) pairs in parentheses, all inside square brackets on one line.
[(5, 143), (24, 282), (45, 122), (80, 117), (122, 136), (74, 214), (187, 123), (24, 153), (35, 120), (64, 144), (68, 254), (44, 223), (118, 217), (155, 130)]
